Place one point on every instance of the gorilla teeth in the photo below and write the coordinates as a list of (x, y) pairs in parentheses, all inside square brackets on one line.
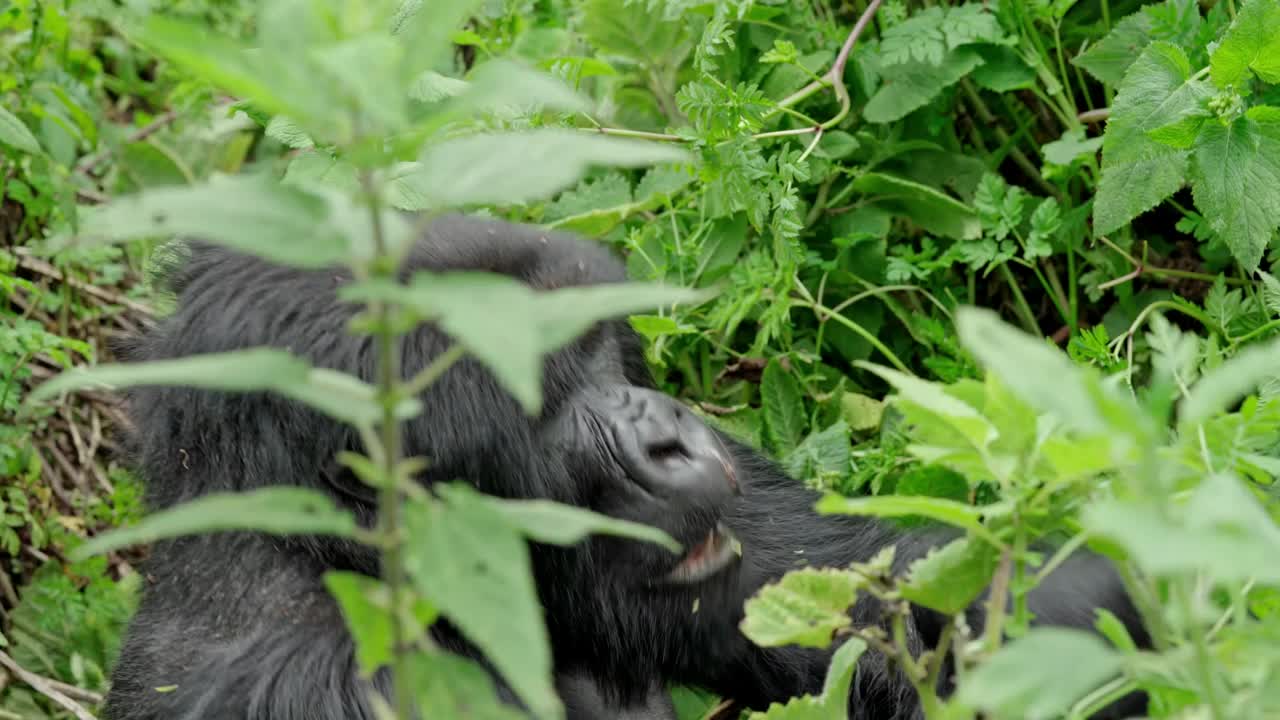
[(710, 557)]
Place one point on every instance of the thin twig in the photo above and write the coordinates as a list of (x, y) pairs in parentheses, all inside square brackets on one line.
[(1094, 116), (89, 163), (28, 260), (45, 687)]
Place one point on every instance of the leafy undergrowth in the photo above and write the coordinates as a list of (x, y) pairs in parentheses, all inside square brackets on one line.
[(1103, 176)]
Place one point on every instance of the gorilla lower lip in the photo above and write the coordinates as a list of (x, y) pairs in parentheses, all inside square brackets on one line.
[(707, 558)]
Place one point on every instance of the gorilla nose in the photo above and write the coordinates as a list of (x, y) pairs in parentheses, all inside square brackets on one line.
[(668, 450)]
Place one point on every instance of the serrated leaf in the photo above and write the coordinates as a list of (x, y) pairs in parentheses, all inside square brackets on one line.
[(1025, 678), (911, 85), (783, 406), (1137, 171), (251, 213), (1227, 383), (1222, 532), (1112, 56), (833, 704), (632, 30), (933, 399), (1070, 146), (949, 578), (950, 512), (928, 207), (524, 166), (821, 454), (463, 556), (507, 325), (806, 607), (287, 132), (549, 522), (276, 510), (1235, 181), (14, 133), (338, 395), (366, 607), (1251, 43)]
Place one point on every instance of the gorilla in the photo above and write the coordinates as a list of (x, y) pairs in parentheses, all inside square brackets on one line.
[(239, 626)]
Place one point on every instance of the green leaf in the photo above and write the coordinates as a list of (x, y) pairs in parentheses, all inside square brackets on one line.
[(366, 607), (251, 213), (806, 607), (507, 325), (1026, 678), (549, 522), (1003, 70), (948, 579), (275, 510), (1070, 146), (1037, 372), (1251, 43), (861, 412), (928, 207), (932, 398), (783, 405), (1139, 172), (464, 557), (950, 512), (16, 135), (1227, 383), (632, 30), (448, 685), (821, 454), (287, 132), (517, 167), (1112, 56), (1223, 532), (1235, 181), (338, 395), (833, 704), (911, 85)]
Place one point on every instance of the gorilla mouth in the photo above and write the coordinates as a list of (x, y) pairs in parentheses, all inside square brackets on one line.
[(709, 557)]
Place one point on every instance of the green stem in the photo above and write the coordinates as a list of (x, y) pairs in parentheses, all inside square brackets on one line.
[(1020, 301), (824, 313), (388, 379)]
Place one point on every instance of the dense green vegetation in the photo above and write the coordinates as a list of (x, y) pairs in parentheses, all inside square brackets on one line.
[(1009, 266)]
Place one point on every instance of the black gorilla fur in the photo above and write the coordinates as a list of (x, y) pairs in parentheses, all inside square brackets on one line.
[(242, 625)]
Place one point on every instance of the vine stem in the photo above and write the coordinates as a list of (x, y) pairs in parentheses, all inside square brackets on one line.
[(387, 341)]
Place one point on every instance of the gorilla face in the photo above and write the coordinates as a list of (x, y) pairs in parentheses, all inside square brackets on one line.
[(646, 458)]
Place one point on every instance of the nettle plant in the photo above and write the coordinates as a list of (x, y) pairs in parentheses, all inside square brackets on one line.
[(1166, 481), (402, 129)]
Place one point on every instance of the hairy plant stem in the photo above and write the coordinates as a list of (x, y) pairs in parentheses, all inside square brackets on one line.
[(387, 342)]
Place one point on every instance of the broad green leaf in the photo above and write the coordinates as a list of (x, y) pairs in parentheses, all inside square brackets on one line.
[(548, 522), (1139, 172), (783, 406), (1070, 146), (366, 607), (287, 132), (1235, 181), (14, 133), (833, 704), (1111, 57), (633, 30), (450, 686), (503, 83), (806, 607), (464, 557), (427, 35), (251, 213), (928, 207), (517, 167), (1251, 43), (950, 512), (1227, 383), (337, 395), (1037, 372), (1003, 70), (821, 455), (276, 510), (861, 412), (933, 399), (507, 325), (1223, 532), (911, 85), (951, 577), (1040, 675), (275, 84)]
